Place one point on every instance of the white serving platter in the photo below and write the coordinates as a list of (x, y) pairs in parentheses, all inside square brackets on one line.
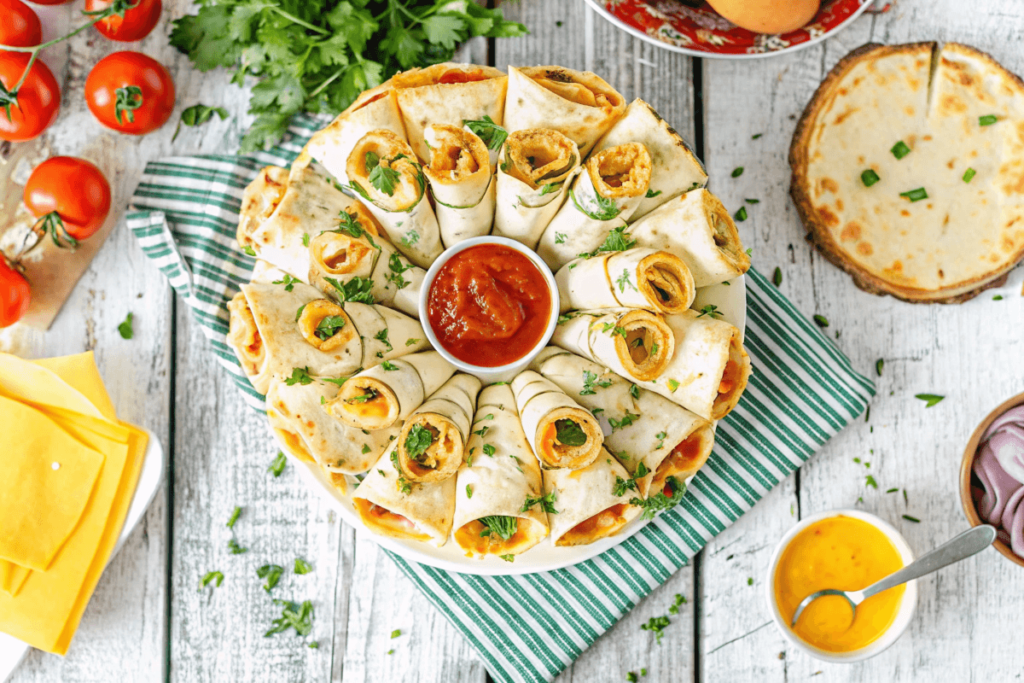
[(731, 301)]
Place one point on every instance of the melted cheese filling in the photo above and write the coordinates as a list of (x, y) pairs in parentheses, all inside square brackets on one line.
[(377, 517), (468, 537), (684, 460), (606, 523), (295, 445), (574, 92)]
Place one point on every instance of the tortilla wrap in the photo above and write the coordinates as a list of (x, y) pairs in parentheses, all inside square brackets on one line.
[(307, 432), (601, 199), (535, 171), (445, 419), (635, 278), (579, 104), (448, 94), (461, 183), (392, 394), (588, 508), (391, 506), (500, 484), (663, 436), (332, 145), (259, 199), (675, 169), (546, 411), (399, 205), (697, 228), (709, 369), (634, 343)]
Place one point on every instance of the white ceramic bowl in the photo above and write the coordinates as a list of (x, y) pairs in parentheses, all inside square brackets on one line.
[(907, 607), (500, 372)]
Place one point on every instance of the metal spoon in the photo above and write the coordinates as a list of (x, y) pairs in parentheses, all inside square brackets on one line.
[(970, 542)]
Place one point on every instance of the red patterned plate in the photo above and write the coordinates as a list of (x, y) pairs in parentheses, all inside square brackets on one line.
[(702, 32)]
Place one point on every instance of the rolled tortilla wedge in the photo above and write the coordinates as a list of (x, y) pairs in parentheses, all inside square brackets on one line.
[(379, 397), (588, 508), (601, 199), (383, 170), (560, 431), (332, 145), (244, 339), (634, 343), (433, 439), (297, 418), (675, 169), (535, 169), (448, 94), (505, 484), (640, 426), (386, 334), (709, 369), (259, 199), (339, 256), (635, 278), (461, 183), (391, 506), (697, 228), (579, 104)]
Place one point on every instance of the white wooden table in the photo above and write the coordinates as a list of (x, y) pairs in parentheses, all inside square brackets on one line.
[(147, 622)]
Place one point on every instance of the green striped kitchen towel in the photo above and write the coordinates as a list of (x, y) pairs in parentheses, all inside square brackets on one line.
[(530, 628)]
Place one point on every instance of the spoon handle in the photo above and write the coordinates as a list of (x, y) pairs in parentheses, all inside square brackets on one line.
[(961, 547)]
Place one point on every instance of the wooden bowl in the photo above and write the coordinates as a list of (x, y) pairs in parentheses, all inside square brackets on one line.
[(965, 473)]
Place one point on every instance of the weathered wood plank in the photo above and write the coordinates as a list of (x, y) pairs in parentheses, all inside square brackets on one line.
[(958, 631)]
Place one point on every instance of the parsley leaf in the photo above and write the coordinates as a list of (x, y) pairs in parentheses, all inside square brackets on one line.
[(302, 567), (569, 433), (500, 525), (590, 382), (299, 617), (277, 467), (300, 376), (235, 514), (382, 336), (216, 578), (384, 178), (197, 115), (605, 211), (396, 267), (356, 290), (125, 329), (329, 326), (272, 573), (288, 281), (418, 441), (235, 548), (546, 502), (660, 501), (487, 130)]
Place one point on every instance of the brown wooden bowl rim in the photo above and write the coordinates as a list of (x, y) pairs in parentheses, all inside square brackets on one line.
[(965, 473)]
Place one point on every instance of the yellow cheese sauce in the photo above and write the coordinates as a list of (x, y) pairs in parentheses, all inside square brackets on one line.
[(847, 554)]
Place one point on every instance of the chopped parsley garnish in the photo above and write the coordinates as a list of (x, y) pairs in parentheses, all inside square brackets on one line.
[(396, 268), (302, 567), (651, 194), (384, 178), (613, 329), (418, 441), (634, 390), (249, 250), (711, 310), (660, 436), (752, 201), (389, 366), (501, 525), (616, 240), (412, 342), (869, 178), (820, 321), (235, 548), (900, 150), (488, 131), (216, 578), (879, 364), (915, 195), (368, 395), (929, 399), (673, 385), (969, 175), (569, 433), (277, 467), (272, 573), (605, 211), (623, 485), (489, 449), (329, 326), (915, 520), (997, 297), (674, 608), (235, 514), (548, 189), (298, 312), (740, 215), (410, 238), (482, 431), (546, 502), (590, 383), (397, 632), (288, 281), (403, 486), (870, 481), (299, 617), (987, 120), (382, 336), (508, 557), (299, 376), (659, 502), (125, 328), (559, 238), (627, 419), (366, 448), (750, 580), (349, 224), (305, 239), (623, 281), (777, 277), (656, 625), (737, 172), (469, 490), (357, 289)]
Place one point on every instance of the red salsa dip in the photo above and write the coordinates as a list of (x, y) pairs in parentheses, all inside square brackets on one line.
[(489, 305)]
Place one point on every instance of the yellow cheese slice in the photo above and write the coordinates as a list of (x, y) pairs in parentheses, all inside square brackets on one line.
[(81, 373)]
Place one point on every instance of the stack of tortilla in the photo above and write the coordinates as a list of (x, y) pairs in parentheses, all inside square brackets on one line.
[(608, 424)]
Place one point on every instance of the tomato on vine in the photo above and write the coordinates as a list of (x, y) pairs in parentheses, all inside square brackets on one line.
[(70, 196), (130, 92), (15, 295), (20, 25), (29, 97), (136, 23)]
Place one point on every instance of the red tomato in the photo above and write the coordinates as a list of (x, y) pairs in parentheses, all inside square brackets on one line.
[(134, 25), (75, 189), (130, 93), (38, 98), (51, 2), (15, 295), (19, 25)]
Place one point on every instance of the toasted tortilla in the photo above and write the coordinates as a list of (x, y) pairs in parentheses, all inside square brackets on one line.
[(542, 406), (461, 183), (635, 278), (259, 199), (969, 230), (635, 343), (446, 415)]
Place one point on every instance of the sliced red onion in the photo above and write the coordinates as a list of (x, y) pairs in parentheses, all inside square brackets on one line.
[(1006, 439), (998, 486)]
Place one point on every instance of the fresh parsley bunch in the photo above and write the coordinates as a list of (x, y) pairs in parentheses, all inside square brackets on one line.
[(318, 55)]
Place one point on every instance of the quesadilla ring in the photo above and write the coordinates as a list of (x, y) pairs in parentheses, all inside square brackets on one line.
[(381, 396), (635, 278), (461, 182), (433, 440), (675, 169), (384, 172), (636, 344), (652, 437), (561, 433), (591, 507), (698, 229), (535, 170), (448, 94), (390, 505), (259, 199), (579, 104), (500, 507), (601, 199)]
